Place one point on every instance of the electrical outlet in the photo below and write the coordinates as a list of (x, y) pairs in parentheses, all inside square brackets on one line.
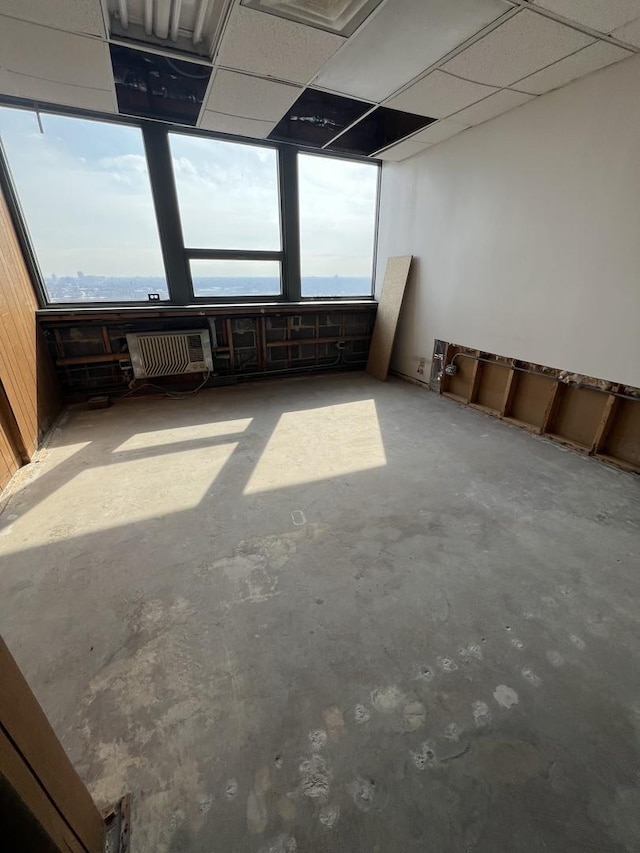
[(421, 365)]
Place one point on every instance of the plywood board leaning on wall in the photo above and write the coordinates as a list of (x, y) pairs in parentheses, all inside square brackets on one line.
[(384, 331)]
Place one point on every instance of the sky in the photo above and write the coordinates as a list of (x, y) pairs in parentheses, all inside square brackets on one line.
[(84, 189)]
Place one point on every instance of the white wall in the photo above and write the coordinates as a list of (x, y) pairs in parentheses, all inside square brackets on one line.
[(526, 232)]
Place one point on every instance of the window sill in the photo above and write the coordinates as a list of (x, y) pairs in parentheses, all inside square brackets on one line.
[(216, 308)]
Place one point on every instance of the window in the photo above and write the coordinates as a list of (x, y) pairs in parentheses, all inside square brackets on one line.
[(338, 201), (227, 192), (228, 278), (85, 193), (128, 211), (229, 201)]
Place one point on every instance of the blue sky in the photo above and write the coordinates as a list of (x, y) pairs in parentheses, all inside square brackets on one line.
[(84, 188)]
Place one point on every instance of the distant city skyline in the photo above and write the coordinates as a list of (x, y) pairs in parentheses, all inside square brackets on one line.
[(89, 288)]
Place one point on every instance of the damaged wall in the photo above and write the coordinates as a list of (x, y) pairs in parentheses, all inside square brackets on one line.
[(89, 347), (525, 233)]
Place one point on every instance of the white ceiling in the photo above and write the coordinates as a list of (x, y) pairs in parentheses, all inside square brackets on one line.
[(401, 40), (439, 95), (460, 61)]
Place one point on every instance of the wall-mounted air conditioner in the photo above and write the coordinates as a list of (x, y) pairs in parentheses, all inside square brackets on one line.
[(170, 353)]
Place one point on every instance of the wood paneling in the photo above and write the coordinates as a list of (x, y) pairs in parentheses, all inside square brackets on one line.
[(26, 371), (9, 459)]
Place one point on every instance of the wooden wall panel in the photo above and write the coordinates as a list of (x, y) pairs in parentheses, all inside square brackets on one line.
[(460, 385), (530, 402), (26, 373), (38, 769), (578, 416), (623, 440), (492, 388), (9, 459)]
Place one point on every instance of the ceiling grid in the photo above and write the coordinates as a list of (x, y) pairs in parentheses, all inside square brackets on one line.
[(456, 64)]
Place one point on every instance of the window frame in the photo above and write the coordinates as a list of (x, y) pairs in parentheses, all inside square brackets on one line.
[(175, 254), (374, 254)]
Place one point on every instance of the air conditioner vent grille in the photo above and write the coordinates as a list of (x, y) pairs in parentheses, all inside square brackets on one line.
[(169, 353)]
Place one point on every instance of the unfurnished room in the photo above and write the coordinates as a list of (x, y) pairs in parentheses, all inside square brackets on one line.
[(319, 426)]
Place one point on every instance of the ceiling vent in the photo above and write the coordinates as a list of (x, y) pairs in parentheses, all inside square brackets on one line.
[(189, 26), (335, 16)]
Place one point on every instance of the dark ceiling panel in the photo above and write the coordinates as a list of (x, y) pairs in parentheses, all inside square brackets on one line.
[(154, 86), (380, 128), (316, 117)]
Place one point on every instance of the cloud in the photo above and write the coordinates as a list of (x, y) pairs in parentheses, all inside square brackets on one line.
[(85, 191)]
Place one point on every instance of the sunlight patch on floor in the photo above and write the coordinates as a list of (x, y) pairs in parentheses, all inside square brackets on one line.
[(318, 444), (174, 435), (119, 494)]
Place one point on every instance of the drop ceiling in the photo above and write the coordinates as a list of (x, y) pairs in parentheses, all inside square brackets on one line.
[(368, 69)]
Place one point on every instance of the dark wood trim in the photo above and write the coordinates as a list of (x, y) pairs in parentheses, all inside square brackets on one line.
[(40, 769), (26, 790)]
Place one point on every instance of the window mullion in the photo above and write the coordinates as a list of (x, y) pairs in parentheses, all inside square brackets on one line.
[(165, 200), (290, 223)]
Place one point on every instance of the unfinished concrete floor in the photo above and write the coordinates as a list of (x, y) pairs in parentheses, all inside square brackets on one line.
[(330, 614)]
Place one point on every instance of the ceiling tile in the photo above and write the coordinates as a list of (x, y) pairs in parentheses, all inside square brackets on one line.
[(439, 131), (492, 106), (402, 151), (45, 91), (317, 117), (377, 130), (439, 94), (275, 47), (234, 124), (250, 97), (54, 56), (74, 16), (523, 44), (629, 33), (589, 59), (151, 85), (602, 15), (397, 43)]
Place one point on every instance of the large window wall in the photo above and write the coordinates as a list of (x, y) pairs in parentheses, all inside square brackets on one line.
[(113, 212)]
